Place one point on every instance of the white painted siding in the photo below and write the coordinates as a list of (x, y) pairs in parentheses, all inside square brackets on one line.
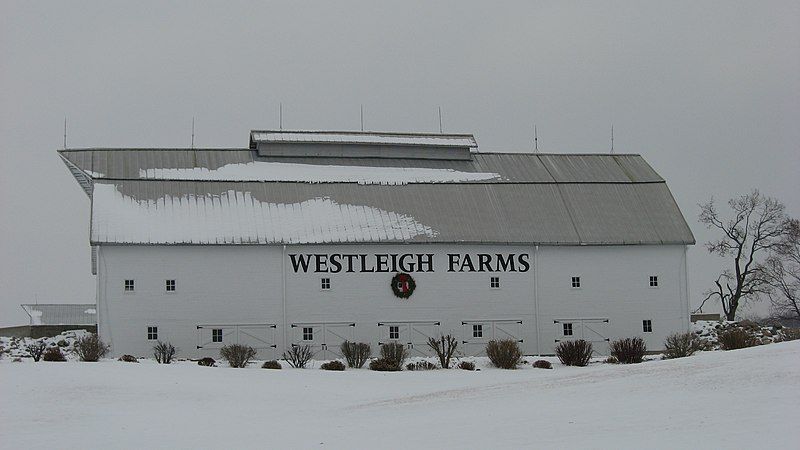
[(231, 285)]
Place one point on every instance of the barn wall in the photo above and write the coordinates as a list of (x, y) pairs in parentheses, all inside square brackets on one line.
[(239, 285)]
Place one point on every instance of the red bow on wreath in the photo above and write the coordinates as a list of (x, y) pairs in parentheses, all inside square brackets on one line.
[(403, 285)]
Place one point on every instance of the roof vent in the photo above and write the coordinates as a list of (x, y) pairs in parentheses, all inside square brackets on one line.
[(359, 144)]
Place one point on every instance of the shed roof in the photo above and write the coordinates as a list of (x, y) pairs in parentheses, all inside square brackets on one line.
[(235, 196), (61, 313)]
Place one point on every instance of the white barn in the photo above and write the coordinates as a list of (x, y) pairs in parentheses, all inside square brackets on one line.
[(299, 239)]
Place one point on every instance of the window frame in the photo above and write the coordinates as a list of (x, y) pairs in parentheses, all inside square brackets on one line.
[(152, 332), (494, 282), (308, 334), (567, 326), (167, 286), (647, 325), (653, 282), (477, 330), (125, 284), (216, 332), (394, 329), (575, 282), (325, 284)]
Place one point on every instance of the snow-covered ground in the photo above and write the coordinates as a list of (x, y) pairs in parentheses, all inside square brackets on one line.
[(739, 399)]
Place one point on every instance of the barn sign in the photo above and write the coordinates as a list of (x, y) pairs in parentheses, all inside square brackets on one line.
[(408, 262)]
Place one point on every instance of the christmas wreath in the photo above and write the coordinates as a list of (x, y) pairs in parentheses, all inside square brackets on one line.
[(403, 285)]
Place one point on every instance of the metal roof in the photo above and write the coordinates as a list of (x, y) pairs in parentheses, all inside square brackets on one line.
[(510, 167), (61, 314), (234, 196), (362, 138)]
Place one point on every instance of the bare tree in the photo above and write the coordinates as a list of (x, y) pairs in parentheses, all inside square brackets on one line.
[(783, 273), (758, 225)]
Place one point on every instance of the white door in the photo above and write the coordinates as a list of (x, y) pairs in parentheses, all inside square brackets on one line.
[(477, 333), (594, 330), (324, 338), (259, 336), (414, 335)]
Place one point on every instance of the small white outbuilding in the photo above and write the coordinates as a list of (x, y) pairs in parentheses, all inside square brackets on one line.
[(320, 237)]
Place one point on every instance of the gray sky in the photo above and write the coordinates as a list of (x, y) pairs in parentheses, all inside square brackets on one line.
[(708, 92)]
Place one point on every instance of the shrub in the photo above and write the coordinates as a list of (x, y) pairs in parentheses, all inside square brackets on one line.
[(332, 365), (298, 356), (504, 354), (466, 365), (680, 345), (444, 347), (735, 338), (356, 353), (163, 352), (611, 360), (394, 353), (383, 365), (54, 354), (271, 365), (629, 350), (421, 365), (90, 348), (542, 364), (207, 361), (237, 355), (36, 349), (128, 358), (791, 334), (574, 353)]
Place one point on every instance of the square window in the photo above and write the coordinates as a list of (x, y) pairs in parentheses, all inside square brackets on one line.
[(394, 332), (152, 333), (567, 329), (494, 282), (576, 282), (647, 326), (216, 335), (477, 331), (326, 283), (170, 286), (653, 280), (128, 285), (308, 334)]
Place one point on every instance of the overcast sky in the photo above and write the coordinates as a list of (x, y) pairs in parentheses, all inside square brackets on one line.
[(708, 92)]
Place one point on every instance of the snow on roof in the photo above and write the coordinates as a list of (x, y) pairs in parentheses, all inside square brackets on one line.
[(315, 173), (236, 217), (374, 138)]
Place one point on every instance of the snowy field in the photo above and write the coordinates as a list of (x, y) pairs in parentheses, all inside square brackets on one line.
[(739, 399)]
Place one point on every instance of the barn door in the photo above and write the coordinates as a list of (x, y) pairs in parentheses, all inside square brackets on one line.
[(335, 335), (594, 330), (259, 336), (476, 334), (414, 335), (324, 338)]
